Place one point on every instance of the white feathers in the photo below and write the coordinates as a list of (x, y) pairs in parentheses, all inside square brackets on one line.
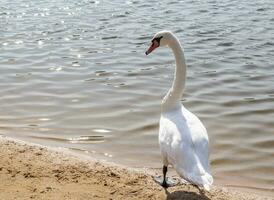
[(184, 144)]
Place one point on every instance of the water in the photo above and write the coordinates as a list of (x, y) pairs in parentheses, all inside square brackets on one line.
[(74, 75)]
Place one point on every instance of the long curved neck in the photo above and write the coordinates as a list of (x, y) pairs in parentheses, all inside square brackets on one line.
[(173, 96)]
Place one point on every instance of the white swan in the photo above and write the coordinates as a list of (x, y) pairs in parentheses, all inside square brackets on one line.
[(182, 136)]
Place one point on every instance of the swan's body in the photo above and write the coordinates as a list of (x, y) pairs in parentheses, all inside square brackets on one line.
[(184, 144), (182, 136)]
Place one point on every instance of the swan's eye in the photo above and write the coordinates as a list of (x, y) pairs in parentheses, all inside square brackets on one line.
[(158, 39)]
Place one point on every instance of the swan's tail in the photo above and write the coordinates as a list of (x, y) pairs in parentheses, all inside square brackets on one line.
[(205, 180), (198, 177)]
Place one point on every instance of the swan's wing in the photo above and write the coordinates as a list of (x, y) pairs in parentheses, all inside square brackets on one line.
[(199, 137), (201, 149)]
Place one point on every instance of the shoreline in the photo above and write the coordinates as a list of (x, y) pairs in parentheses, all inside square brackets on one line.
[(32, 171)]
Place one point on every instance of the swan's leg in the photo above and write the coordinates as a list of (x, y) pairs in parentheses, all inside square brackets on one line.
[(164, 184)]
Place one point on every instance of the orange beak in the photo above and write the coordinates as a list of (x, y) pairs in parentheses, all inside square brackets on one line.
[(153, 46)]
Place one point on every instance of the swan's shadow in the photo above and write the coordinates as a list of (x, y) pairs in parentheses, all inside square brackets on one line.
[(185, 195)]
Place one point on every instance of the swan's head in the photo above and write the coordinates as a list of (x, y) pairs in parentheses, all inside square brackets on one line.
[(162, 38)]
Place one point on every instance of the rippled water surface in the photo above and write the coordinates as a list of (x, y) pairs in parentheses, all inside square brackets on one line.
[(74, 74)]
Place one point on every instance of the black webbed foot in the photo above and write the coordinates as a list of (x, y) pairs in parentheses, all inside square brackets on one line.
[(164, 184), (169, 182)]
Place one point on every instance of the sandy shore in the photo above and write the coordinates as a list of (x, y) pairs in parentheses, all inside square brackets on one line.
[(29, 171)]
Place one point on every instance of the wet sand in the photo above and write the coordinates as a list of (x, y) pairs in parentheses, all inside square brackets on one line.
[(29, 171)]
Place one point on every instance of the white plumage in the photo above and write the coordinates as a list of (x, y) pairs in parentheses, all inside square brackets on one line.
[(182, 136)]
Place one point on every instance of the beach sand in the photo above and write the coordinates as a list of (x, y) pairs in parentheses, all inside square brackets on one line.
[(29, 171)]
